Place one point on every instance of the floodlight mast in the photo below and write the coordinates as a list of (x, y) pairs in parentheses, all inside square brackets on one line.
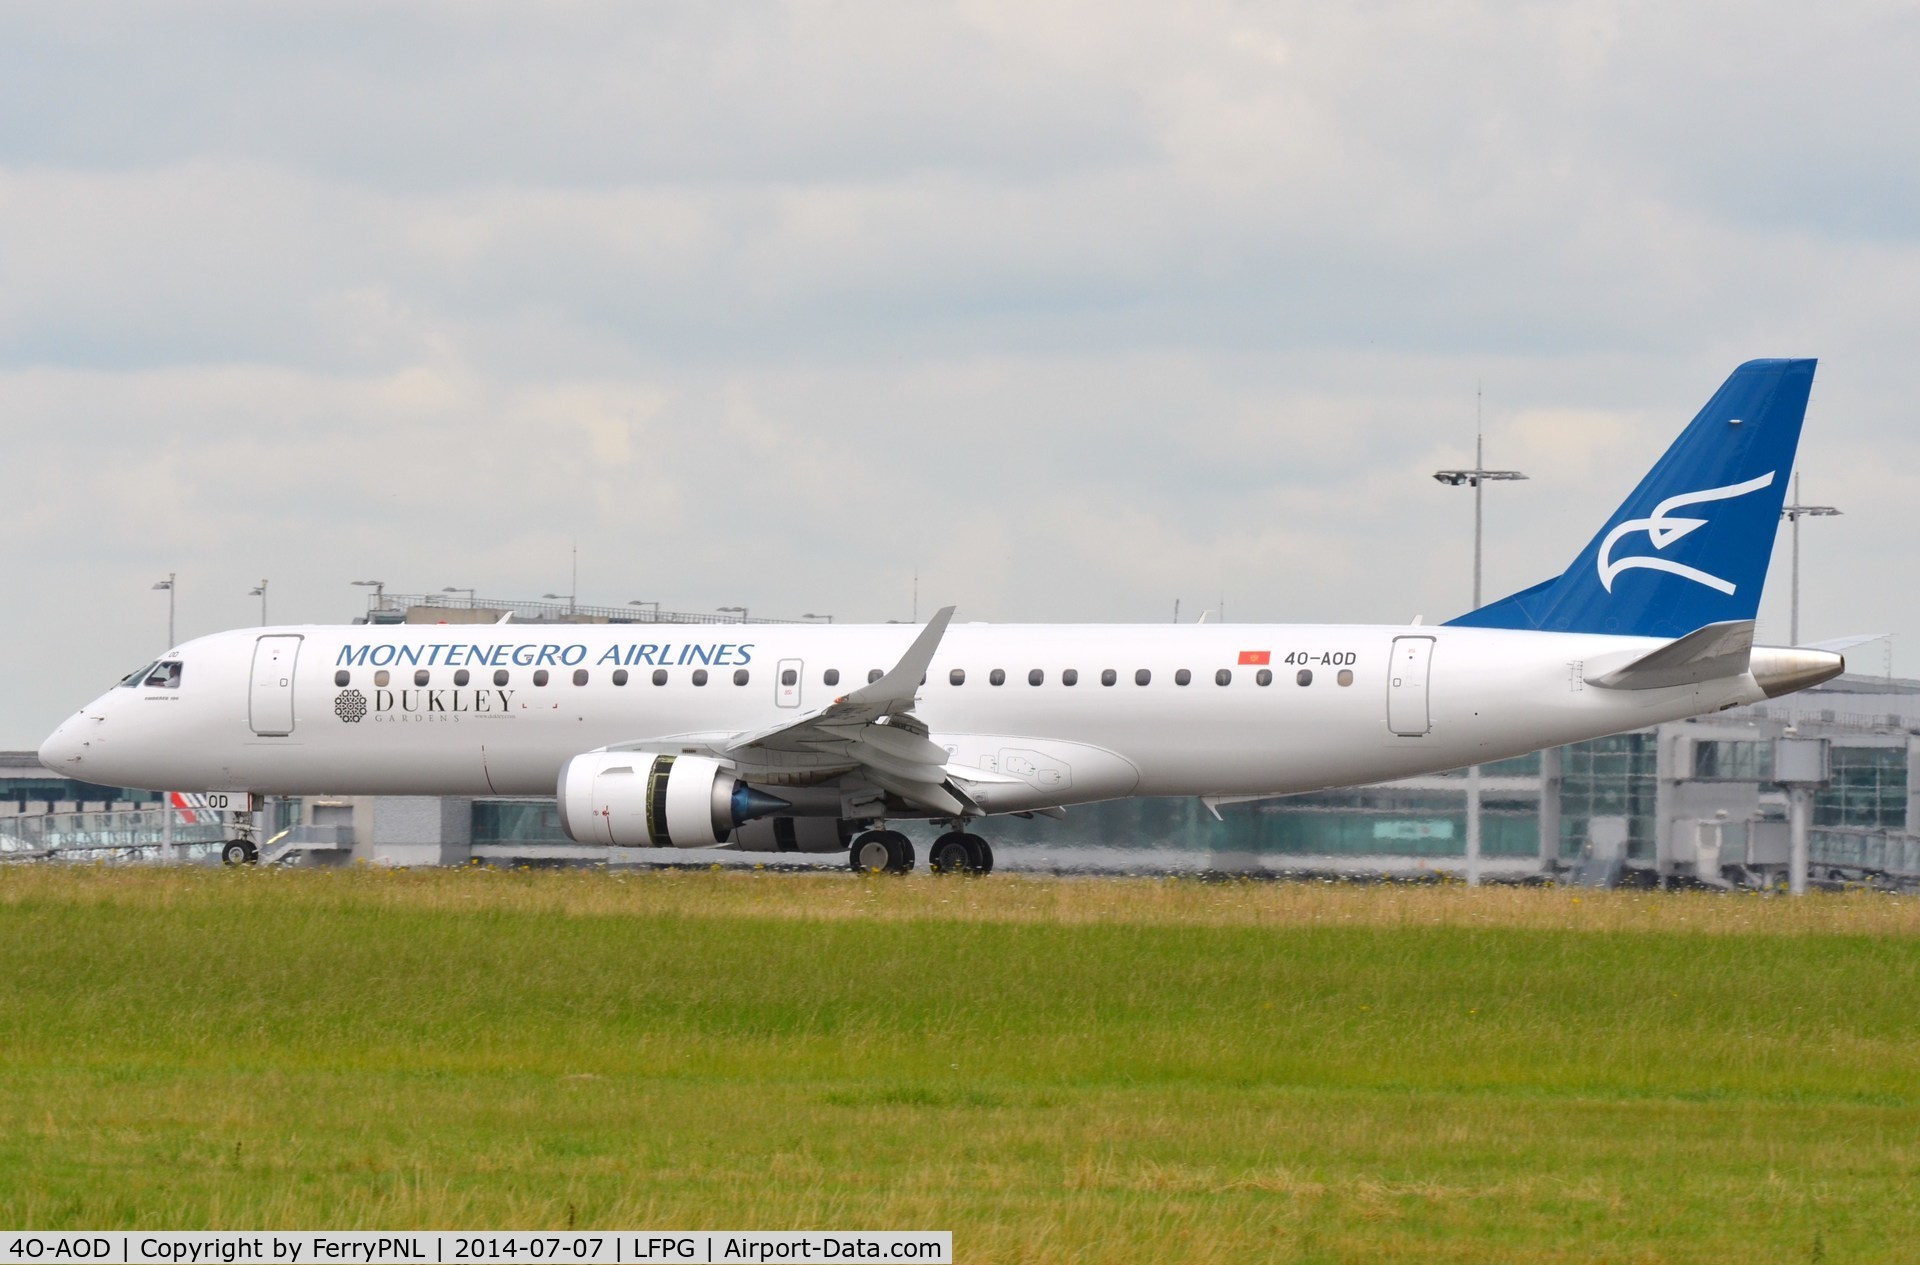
[(166, 585), (1793, 514), (1475, 478)]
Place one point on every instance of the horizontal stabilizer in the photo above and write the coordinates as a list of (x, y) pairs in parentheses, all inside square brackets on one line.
[(1705, 654), (1839, 645)]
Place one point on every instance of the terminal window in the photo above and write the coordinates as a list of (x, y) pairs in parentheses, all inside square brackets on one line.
[(1868, 792)]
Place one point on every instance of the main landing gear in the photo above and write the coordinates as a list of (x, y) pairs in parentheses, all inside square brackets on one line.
[(890, 852), (881, 851), (960, 853)]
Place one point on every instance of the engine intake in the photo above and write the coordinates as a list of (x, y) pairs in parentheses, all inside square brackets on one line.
[(633, 800)]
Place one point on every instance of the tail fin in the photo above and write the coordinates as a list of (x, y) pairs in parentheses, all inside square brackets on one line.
[(1690, 546)]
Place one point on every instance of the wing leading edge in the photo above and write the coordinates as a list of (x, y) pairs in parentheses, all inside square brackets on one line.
[(874, 730)]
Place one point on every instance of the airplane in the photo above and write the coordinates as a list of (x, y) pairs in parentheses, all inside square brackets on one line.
[(813, 738)]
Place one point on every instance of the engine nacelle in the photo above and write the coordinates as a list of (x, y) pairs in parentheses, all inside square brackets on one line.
[(635, 800), (797, 834)]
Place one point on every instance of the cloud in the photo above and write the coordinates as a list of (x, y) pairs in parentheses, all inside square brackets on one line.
[(1073, 310)]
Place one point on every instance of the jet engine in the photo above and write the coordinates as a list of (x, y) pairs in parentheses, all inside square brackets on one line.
[(635, 800)]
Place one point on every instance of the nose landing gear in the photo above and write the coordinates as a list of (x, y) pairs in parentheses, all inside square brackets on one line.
[(239, 852)]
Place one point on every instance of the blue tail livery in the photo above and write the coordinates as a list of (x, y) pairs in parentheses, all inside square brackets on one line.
[(1690, 546)]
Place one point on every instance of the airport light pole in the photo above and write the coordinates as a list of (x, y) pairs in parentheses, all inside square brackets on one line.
[(456, 589), (824, 619), (732, 610), (655, 605), (1793, 514), (561, 597), (379, 588), (1477, 479), (167, 584), (261, 593)]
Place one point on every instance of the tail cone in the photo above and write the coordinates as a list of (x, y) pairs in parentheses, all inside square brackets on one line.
[(1782, 670)]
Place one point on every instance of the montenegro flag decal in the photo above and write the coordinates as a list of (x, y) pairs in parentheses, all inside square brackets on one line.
[(1255, 658)]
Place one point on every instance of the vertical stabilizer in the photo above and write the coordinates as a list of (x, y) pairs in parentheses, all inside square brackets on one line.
[(1690, 547)]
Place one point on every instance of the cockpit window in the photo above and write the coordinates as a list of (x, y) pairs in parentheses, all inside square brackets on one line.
[(164, 675), (137, 677)]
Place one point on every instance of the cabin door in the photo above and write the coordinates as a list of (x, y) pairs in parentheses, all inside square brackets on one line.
[(787, 692), (1407, 686), (270, 701)]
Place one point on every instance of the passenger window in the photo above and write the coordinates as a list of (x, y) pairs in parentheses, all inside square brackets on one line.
[(579, 676), (830, 677), (659, 676), (1142, 676), (1036, 677), (1304, 676), (1223, 677), (462, 677), (957, 677), (1345, 677), (619, 676), (699, 676), (997, 677), (1070, 677), (1109, 677), (539, 676), (500, 676), (1183, 677), (874, 674), (381, 678), (1263, 677), (789, 677), (740, 676), (421, 676), (343, 678)]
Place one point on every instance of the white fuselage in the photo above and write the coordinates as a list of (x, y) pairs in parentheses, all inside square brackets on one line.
[(415, 709)]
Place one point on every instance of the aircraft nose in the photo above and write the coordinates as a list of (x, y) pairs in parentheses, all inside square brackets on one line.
[(61, 751)]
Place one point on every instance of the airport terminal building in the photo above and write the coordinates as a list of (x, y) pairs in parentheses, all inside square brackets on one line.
[(1693, 801)]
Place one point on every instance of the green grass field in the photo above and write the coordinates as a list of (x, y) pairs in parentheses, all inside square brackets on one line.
[(1127, 1070)]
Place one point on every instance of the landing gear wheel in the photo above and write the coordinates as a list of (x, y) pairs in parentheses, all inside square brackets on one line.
[(960, 853), (899, 852), (239, 852), (879, 851), (951, 855)]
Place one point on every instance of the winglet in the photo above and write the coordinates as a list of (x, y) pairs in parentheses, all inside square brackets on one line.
[(895, 690)]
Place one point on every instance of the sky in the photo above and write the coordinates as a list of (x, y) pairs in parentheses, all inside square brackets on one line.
[(1072, 311)]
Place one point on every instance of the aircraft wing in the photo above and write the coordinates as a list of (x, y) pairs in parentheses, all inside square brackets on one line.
[(873, 729)]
